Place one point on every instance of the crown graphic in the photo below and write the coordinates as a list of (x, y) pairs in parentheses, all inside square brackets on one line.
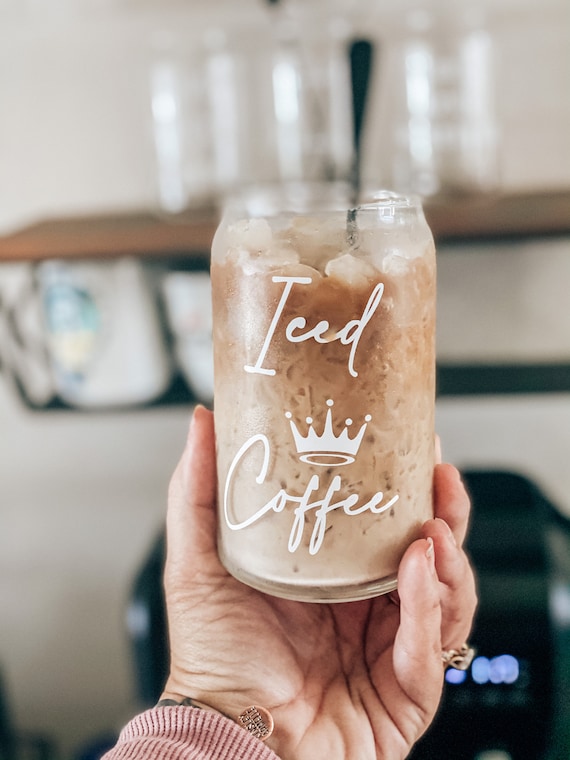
[(327, 449)]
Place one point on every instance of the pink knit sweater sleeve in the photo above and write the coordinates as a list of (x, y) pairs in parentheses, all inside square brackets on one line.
[(186, 733)]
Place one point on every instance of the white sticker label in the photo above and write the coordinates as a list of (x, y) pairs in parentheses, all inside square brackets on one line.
[(309, 501), (350, 334), (325, 449)]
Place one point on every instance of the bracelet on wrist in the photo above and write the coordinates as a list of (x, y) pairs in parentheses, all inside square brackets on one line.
[(257, 720)]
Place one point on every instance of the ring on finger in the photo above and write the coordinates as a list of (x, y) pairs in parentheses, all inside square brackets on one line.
[(460, 659)]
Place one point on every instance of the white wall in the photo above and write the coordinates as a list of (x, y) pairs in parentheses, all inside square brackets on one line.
[(75, 133), (81, 499)]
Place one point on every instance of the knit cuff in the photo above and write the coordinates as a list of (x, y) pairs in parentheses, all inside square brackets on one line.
[(186, 733)]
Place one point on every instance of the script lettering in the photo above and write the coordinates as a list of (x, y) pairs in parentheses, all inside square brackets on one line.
[(350, 334), (289, 282), (303, 504)]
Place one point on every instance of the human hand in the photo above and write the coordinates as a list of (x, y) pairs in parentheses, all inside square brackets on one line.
[(356, 680)]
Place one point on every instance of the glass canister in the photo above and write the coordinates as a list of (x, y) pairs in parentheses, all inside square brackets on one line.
[(442, 137), (250, 102), (324, 355)]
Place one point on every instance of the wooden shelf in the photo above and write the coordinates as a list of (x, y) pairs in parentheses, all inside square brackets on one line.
[(148, 234), (143, 234), (546, 213)]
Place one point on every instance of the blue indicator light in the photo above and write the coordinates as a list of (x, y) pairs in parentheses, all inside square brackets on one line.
[(452, 675), (480, 670), (503, 669)]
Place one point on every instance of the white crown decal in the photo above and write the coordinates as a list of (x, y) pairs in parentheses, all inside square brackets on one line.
[(327, 449)]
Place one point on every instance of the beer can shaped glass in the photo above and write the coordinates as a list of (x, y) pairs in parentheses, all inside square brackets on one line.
[(324, 357)]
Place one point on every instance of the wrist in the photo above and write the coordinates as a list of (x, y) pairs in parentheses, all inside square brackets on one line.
[(255, 719), (176, 700)]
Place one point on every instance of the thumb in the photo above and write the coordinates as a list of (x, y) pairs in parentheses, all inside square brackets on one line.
[(191, 518), (417, 648)]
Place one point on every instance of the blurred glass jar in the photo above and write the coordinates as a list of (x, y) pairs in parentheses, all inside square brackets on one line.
[(248, 104), (438, 107)]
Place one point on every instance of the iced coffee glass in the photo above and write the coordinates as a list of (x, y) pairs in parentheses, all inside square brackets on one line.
[(324, 321)]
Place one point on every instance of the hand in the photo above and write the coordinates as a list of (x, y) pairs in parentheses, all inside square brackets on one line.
[(354, 680)]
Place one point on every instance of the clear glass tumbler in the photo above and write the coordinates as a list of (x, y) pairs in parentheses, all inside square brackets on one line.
[(324, 353)]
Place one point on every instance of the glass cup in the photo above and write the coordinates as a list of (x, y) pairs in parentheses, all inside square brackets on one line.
[(242, 104), (324, 371), (444, 129)]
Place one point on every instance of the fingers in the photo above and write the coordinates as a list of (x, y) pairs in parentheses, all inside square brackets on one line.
[(417, 647), (448, 530), (451, 502), (191, 520), (457, 584)]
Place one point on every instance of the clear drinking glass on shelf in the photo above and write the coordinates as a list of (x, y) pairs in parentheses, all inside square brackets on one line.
[(324, 321)]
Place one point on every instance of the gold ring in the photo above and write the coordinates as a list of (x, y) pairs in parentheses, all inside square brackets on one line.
[(460, 658)]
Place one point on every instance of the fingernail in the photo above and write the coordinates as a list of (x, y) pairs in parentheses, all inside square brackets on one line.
[(192, 423), (438, 454), (448, 532), (430, 551)]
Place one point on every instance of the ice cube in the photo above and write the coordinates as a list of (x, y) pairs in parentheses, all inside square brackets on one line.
[(317, 240), (353, 271), (256, 262), (284, 256), (253, 234), (303, 270), (394, 264)]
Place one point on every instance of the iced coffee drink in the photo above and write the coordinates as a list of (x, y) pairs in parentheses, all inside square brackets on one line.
[(324, 394)]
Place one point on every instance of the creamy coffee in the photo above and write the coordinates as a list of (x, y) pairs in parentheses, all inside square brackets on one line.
[(324, 395)]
